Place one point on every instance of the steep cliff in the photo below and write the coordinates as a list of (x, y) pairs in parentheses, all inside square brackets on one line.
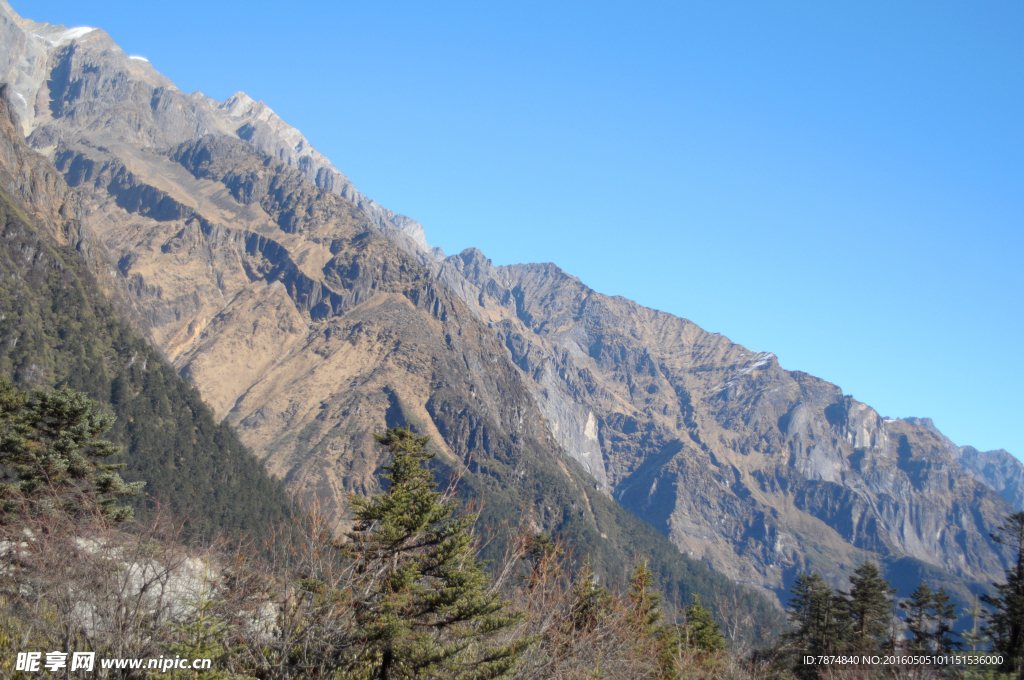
[(307, 317)]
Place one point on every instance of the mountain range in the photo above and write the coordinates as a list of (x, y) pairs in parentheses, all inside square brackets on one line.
[(309, 317)]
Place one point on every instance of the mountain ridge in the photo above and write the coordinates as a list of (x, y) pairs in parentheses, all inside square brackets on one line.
[(297, 323)]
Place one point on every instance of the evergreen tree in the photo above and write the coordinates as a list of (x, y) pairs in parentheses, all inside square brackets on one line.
[(543, 553), (975, 639), (52, 454), (643, 598), (201, 636), (423, 603), (702, 632), (869, 605), (813, 614), (918, 619), (1006, 622), (590, 601), (943, 613)]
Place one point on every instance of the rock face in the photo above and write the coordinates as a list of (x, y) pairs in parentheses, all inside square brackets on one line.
[(998, 470), (306, 315), (309, 316), (761, 472)]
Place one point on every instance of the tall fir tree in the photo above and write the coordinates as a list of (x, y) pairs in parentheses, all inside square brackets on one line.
[(701, 630), (930, 616), (918, 620), (975, 639), (1006, 622), (591, 602), (643, 598), (943, 613), (869, 604), (813, 614), (423, 602)]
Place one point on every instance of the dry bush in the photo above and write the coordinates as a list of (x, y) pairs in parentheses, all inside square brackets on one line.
[(82, 584)]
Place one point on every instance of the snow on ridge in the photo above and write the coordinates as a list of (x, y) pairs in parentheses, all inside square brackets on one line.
[(71, 34), (756, 361)]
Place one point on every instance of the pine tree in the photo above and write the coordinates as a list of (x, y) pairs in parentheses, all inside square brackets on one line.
[(543, 553), (643, 598), (52, 442), (1006, 622), (869, 605), (591, 603), (975, 638), (423, 603), (943, 613), (813, 613), (918, 619), (701, 630), (202, 635)]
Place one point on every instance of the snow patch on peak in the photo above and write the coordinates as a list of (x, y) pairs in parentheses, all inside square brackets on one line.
[(71, 34), (55, 34)]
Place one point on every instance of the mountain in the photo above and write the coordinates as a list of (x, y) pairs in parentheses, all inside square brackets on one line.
[(309, 317), (58, 328), (709, 441), (998, 470)]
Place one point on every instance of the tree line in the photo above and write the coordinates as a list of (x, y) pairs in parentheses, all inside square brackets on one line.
[(868, 620)]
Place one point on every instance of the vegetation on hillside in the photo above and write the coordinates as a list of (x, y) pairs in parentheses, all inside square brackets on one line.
[(58, 330), (402, 595)]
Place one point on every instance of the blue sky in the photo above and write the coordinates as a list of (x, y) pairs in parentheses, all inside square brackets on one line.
[(840, 185)]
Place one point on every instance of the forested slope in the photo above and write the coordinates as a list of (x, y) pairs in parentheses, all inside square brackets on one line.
[(57, 328)]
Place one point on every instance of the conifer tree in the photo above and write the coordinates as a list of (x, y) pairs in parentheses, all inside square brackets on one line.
[(813, 613), (975, 638), (52, 453), (930, 619), (590, 601), (423, 602), (943, 613), (643, 598), (702, 631), (202, 635), (1006, 622), (918, 620), (869, 605)]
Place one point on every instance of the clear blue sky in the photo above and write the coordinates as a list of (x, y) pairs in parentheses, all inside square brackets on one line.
[(843, 186)]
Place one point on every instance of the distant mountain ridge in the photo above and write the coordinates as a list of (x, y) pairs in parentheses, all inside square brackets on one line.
[(309, 316), (997, 469)]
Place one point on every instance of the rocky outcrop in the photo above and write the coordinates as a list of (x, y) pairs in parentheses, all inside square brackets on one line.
[(57, 328), (309, 329)]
